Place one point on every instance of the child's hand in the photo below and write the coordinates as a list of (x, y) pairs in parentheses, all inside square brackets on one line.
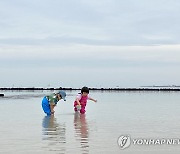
[(78, 107), (52, 112)]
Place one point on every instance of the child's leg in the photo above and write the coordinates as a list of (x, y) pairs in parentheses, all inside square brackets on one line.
[(75, 109), (46, 109), (75, 104), (45, 106), (82, 111)]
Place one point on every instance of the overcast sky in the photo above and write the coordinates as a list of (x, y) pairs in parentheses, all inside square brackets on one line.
[(97, 43)]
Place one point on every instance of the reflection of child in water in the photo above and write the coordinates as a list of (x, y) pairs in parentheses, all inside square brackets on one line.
[(80, 124), (54, 133), (50, 126), (81, 100), (81, 128)]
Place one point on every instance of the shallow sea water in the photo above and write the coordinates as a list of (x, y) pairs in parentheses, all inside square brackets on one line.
[(26, 129)]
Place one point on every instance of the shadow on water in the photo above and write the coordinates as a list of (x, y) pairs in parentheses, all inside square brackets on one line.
[(54, 134), (81, 131)]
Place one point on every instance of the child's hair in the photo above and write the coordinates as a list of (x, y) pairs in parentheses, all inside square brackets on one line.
[(85, 89)]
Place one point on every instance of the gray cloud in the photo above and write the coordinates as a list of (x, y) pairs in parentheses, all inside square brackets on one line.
[(103, 22), (105, 42)]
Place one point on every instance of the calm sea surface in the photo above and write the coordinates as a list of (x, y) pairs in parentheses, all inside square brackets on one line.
[(25, 129)]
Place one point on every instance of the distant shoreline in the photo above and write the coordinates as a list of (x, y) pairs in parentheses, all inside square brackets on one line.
[(96, 89)]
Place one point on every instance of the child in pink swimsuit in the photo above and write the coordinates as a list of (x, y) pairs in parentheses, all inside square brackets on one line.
[(81, 100)]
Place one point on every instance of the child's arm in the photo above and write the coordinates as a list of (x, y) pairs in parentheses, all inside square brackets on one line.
[(77, 100), (94, 100)]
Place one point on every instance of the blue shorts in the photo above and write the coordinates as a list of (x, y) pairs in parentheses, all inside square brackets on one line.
[(46, 106)]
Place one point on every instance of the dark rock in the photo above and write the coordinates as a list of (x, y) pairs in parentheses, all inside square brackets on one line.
[(1, 95)]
